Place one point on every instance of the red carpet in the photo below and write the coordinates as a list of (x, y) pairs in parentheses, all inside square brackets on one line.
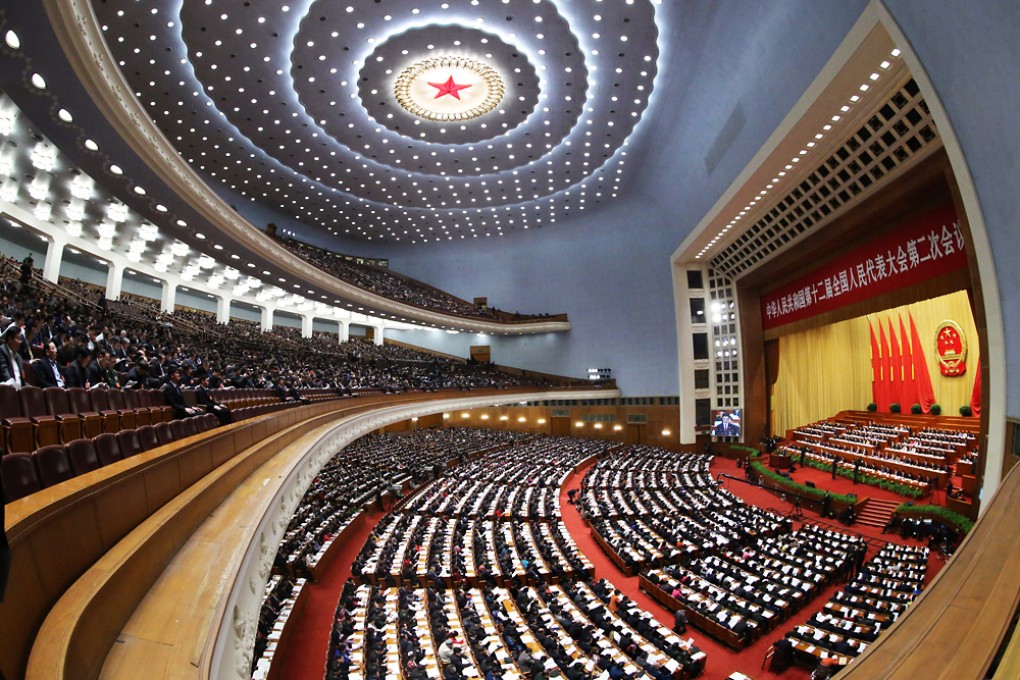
[(305, 653), (722, 661)]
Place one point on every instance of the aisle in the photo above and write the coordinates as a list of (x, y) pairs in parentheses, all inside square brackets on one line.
[(305, 655)]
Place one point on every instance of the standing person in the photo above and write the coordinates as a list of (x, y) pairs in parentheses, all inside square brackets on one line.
[(835, 462), (27, 265), (680, 621)]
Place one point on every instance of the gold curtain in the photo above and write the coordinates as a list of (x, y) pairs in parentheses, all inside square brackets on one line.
[(828, 369)]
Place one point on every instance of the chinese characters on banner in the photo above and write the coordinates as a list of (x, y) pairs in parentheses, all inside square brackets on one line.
[(928, 247)]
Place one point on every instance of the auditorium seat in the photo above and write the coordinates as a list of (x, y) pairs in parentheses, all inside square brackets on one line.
[(52, 463), (128, 442), (20, 477), (59, 406), (82, 454), (101, 404), (29, 373), (164, 434), (92, 422), (209, 422), (16, 430), (33, 407), (128, 419), (191, 426), (157, 403), (143, 414), (147, 437), (179, 429), (107, 449)]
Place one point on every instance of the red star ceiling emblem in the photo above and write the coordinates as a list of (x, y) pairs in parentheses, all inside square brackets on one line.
[(448, 88)]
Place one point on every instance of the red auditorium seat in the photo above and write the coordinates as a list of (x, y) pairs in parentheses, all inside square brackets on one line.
[(191, 426), (128, 442), (16, 430), (20, 477), (53, 465), (179, 429), (92, 422), (209, 422), (107, 449), (128, 417), (29, 372), (163, 433), (59, 406), (155, 401), (101, 404), (143, 414), (82, 454), (147, 437), (33, 407)]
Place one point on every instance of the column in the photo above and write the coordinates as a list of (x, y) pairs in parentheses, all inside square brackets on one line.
[(377, 337), (267, 318), (169, 298), (306, 325), (114, 280), (54, 255), (223, 309), (345, 330)]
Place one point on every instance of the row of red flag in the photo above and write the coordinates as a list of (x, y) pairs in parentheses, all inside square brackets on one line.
[(900, 370)]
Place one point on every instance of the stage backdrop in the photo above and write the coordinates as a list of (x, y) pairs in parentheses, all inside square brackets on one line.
[(829, 369)]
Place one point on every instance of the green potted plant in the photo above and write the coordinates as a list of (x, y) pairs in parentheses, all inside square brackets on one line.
[(916, 409), (872, 407), (965, 411), (935, 410), (894, 407)]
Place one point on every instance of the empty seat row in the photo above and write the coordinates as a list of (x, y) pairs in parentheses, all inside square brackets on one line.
[(31, 418), (26, 473)]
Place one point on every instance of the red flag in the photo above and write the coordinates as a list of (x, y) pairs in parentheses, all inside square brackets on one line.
[(907, 365), (895, 372), (975, 396), (922, 379), (887, 395), (877, 393)]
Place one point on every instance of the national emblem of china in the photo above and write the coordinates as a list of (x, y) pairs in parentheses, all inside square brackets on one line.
[(951, 349)]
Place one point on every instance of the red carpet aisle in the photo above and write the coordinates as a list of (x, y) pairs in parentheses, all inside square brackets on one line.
[(305, 655), (721, 660)]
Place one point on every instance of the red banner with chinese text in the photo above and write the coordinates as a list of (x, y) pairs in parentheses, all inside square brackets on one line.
[(928, 247)]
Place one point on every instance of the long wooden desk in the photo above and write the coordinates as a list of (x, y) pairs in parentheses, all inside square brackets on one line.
[(954, 629)]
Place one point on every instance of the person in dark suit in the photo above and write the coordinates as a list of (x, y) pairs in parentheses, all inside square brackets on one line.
[(78, 374), (212, 406), (726, 427), (47, 371), (174, 397), (11, 367)]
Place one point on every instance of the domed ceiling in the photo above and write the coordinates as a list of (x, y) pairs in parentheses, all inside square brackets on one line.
[(397, 120)]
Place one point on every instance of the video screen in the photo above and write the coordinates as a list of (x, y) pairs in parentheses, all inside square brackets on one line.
[(726, 423)]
